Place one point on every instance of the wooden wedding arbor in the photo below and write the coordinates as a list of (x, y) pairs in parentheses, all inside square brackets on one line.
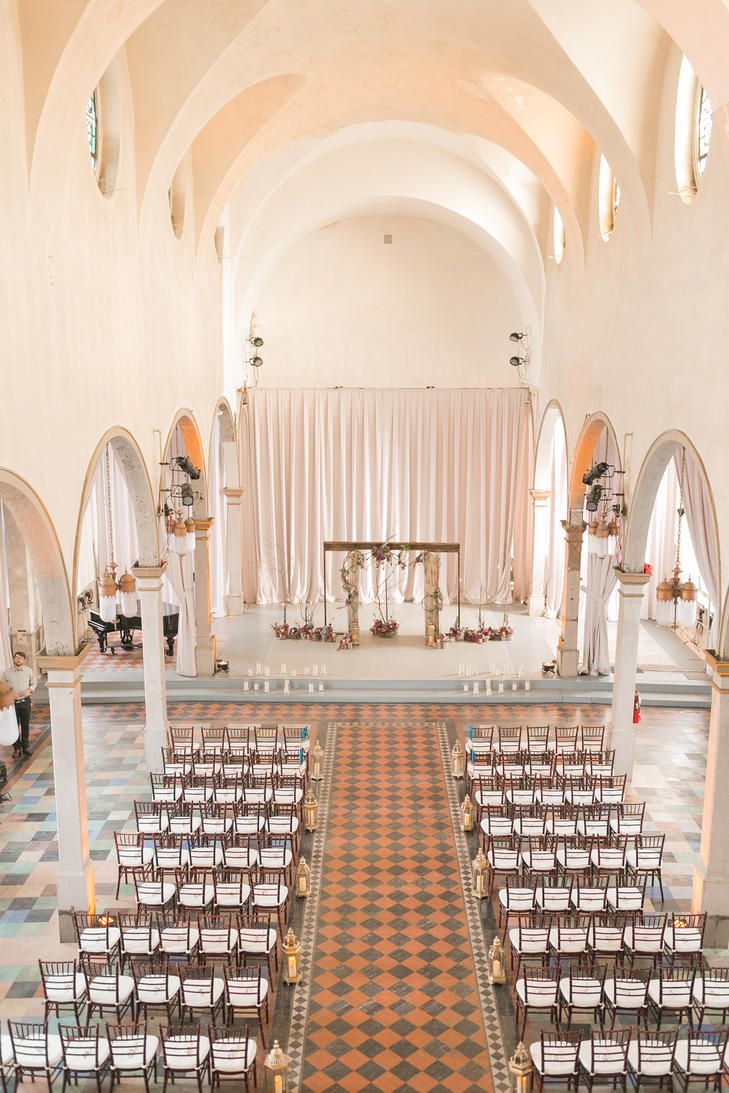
[(345, 546)]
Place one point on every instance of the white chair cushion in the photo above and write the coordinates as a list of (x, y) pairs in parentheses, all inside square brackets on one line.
[(557, 1066), (225, 1062), (684, 939), (131, 856), (541, 995), (714, 994), (266, 895), (587, 996), (31, 1054), (528, 941), (151, 989), (218, 943), (608, 1059), (172, 943), (245, 992), (650, 943), (188, 1060), (140, 941), (705, 1058), (675, 995), (196, 895), (198, 993), (101, 989), (627, 997), (262, 942), (232, 895), (124, 1058), (516, 899), (155, 895), (655, 1062), (6, 1050), (83, 1058), (94, 940), (56, 993)]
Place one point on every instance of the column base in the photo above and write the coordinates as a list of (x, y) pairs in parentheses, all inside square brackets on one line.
[(155, 738), (711, 894), (622, 738), (74, 892), (568, 663), (205, 656), (234, 604)]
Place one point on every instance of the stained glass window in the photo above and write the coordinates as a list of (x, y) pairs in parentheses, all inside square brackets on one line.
[(92, 126), (703, 130)]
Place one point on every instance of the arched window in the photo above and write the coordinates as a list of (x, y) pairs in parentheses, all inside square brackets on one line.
[(558, 236), (608, 198), (92, 128), (694, 118)]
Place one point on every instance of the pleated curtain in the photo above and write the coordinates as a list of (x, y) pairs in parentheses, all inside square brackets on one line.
[(702, 529), (180, 573), (385, 465), (216, 484), (555, 546)]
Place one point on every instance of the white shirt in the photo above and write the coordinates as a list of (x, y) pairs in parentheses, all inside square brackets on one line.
[(20, 679)]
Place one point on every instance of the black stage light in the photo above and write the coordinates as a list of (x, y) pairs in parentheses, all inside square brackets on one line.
[(517, 362), (593, 498), (597, 470), (187, 467), (515, 336)]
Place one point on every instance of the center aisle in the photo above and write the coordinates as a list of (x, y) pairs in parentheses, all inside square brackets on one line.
[(393, 1001)]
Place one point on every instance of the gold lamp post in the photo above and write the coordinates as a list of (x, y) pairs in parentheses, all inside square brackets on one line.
[(317, 753), (520, 1067), (480, 869), (311, 809), (302, 877), (291, 963), (457, 759), (497, 971), (467, 812), (276, 1070)]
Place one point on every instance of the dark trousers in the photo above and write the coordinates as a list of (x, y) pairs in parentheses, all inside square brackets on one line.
[(22, 712)]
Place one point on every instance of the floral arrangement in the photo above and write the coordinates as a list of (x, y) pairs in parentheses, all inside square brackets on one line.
[(389, 552), (323, 633), (503, 632), (346, 642), (384, 628), (455, 631), (85, 599), (305, 632), (477, 634)]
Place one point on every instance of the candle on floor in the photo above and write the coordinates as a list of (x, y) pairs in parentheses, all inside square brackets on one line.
[(315, 669), (258, 667), (286, 687), (266, 687), (255, 686), (311, 688), (321, 686), (476, 688), (520, 673), (527, 685), (501, 686), (488, 686), (246, 685), (513, 685), (465, 688)]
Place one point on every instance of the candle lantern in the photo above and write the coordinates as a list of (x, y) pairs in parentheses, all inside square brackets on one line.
[(480, 869), (467, 813), (311, 808), (457, 759), (291, 962), (318, 754), (520, 1067), (497, 973), (276, 1070), (302, 877)]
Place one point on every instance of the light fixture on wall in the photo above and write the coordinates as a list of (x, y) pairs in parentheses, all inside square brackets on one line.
[(180, 496), (673, 589), (606, 503), (522, 358), (108, 584)]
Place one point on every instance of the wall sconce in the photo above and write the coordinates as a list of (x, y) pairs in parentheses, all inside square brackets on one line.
[(276, 1070), (467, 813), (497, 973), (311, 809), (480, 868), (457, 759), (302, 877), (291, 953)]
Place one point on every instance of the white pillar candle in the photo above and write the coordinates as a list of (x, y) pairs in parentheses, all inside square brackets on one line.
[(501, 686), (513, 685), (465, 688), (527, 685), (266, 686), (255, 686), (315, 669), (246, 685), (258, 667), (460, 669), (311, 688), (321, 686), (286, 686), (488, 686), (476, 688)]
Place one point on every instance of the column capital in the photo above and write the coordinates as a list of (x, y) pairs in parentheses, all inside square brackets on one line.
[(574, 532), (719, 672), (540, 497), (203, 526), (63, 670), (148, 572), (631, 584), (233, 494)]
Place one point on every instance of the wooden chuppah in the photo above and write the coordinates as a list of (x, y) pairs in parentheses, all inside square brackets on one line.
[(345, 546)]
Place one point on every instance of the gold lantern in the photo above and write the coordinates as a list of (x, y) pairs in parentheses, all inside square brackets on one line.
[(276, 1070), (302, 877), (291, 954), (128, 590), (317, 753), (480, 869), (467, 811), (457, 759), (311, 809), (520, 1067), (497, 972)]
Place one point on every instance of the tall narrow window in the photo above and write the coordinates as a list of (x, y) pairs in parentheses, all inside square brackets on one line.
[(704, 120), (558, 236), (92, 127), (608, 198)]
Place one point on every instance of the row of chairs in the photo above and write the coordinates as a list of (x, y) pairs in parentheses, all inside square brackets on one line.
[(616, 936), (573, 1059), (557, 894), (524, 764), (238, 940), (125, 1051), (227, 788), (602, 993), (235, 736), (561, 738), (517, 856), (537, 818)]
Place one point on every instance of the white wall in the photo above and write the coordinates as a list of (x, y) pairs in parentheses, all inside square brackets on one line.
[(343, 307)]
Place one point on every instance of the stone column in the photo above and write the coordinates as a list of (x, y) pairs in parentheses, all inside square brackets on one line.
[(233, 557), (204, 642), (156, 724), (622, 730), (568, 654), (540, 502), (711, 876), (75, 883)]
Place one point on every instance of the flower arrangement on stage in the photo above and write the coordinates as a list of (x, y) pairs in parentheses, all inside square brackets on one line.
[(477, 634), (346, 642), (455, 632), (385, 628), (306, 632), (389, 552), (503, 632)]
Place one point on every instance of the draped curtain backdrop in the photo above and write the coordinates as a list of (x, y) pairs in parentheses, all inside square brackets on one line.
[(93, 545), (701, 526), (216, 484), (555, 549), (449, 465)]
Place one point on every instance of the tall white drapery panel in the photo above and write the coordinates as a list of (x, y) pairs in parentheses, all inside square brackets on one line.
[(601, 581), (180, 573), (660, 551), (450, 465), (5, 651), (216, 500), (93, 545), (702, 529), (555, 546)]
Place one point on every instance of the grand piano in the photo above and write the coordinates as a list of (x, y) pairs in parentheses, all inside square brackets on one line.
[(125, 625)]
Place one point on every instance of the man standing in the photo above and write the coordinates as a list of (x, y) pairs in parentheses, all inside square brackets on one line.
[(23, 682)]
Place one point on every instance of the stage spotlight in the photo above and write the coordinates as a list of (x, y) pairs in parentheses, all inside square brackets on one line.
[(257, 342), (255, 362), (515, 336), (593, 498), (517, 362), (596, 471), (549, 669), (187, 497), (187, 466)]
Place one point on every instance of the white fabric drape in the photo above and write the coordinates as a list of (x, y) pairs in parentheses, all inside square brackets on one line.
[(216, 484), (701, 526), (555, 547), (660, 549), (5, 650), (601, 580), (180, 573), (451, 465), (93, 545)]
